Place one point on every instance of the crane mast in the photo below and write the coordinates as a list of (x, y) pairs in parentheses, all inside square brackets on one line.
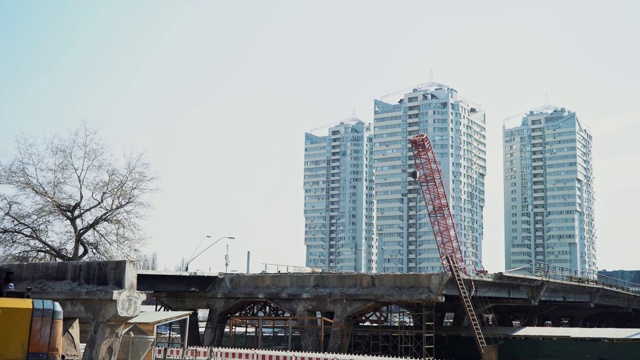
[(429, 177)]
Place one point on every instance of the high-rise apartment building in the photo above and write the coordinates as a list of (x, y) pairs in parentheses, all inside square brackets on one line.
[(548, 191), (338, 198), (456, 128)]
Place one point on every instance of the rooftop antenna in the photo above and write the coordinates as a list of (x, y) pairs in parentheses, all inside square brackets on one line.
[(430, 75), (546, 99), (353, 112)]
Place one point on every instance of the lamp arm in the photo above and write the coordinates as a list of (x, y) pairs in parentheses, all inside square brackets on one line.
[(205, 249)]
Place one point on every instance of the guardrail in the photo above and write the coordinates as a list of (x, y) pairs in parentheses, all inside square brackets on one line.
[(555, 272), (282, 268)]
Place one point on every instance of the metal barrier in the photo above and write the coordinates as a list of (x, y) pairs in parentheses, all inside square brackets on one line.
[(281, 268), (202, 353), (555, 272)]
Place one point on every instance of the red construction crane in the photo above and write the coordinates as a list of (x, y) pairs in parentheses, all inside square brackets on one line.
[(429, 176)]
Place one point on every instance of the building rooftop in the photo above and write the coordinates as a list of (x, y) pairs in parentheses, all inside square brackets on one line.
[(431, 85), (573, 332), (516, 120), (428, 86)]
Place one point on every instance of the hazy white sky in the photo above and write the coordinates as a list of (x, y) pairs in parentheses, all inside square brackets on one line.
[(220, 93)]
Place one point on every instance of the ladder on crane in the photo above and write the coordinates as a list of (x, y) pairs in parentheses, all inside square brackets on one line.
[(466, 299)]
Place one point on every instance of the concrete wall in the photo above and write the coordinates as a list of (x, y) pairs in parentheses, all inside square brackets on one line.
[(119, 275)]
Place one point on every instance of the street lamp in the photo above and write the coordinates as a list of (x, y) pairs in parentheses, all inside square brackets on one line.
[(205, 249), (198, 247)]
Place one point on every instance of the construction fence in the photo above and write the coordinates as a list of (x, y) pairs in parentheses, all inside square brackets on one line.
[(205, 353)]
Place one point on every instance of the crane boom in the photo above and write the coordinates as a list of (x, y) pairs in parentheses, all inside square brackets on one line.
[(429, 177)]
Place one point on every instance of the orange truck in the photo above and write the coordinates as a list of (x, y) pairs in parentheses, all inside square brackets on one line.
[(30, 329)]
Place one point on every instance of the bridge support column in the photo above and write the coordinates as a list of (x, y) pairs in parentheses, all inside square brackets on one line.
[(104, 340), (105, 327), (214, 330), (106, 318), (339, 336), (194, 330), (309, 333), (71, 339)]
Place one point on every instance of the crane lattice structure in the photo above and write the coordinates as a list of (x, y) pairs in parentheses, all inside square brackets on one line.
[(429, 177)]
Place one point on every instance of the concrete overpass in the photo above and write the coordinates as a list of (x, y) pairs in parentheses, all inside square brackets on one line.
[(104, 295), (350, 299)]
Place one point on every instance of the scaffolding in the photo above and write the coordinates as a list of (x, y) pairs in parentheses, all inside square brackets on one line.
[(277, 332), (386, 329), (398, 331)]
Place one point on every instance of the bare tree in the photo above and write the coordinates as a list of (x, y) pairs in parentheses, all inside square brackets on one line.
[(67, 198), (182, 266), (147, 261)]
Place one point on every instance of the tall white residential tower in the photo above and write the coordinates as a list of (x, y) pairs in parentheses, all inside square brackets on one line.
[(338, 198), (548, 191), (456, 128)]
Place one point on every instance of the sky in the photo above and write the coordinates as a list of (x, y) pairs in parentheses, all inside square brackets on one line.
[(219, 94)]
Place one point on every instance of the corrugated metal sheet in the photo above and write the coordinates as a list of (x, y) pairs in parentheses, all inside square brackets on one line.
[(159, 317)]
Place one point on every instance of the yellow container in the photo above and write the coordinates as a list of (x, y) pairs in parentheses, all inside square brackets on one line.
[(15, 321)]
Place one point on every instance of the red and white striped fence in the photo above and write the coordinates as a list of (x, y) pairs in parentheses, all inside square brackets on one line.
[(202, 353)]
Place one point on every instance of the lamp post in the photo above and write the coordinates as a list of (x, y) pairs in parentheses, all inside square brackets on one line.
[(198, 247), (205, 249)]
